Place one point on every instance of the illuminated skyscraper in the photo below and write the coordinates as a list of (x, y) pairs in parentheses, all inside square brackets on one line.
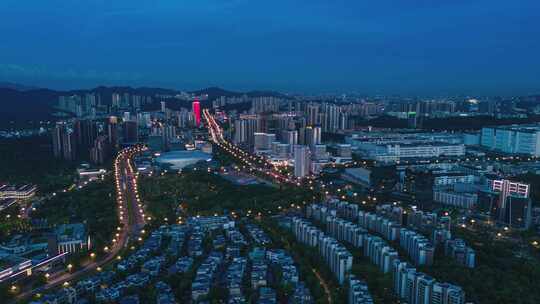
[(196, 106)]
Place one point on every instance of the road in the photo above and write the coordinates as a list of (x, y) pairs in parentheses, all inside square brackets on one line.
[(252, 162), (131, 216), (324, 285), (259, 164)]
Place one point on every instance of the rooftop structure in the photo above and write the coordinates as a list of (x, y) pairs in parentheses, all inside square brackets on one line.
[(181, 159)]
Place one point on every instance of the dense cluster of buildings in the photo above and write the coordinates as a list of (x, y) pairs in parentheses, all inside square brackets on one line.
[(101, 127), (308, 136), (391, 147), (290, 133), (480, 188), (409, 284), (230, 261)]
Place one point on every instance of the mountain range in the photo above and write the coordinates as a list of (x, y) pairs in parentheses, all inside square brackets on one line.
[(20, 103), (16, 86)]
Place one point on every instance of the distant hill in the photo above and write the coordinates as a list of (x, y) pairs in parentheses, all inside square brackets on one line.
[(266, 93), (215, 92), (16, 86), (20, 103), (17, 106)]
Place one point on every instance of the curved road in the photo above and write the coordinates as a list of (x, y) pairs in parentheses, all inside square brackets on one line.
[(131, 215)]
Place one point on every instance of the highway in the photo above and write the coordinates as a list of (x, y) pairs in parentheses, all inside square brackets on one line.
[(131, 216), (251, 162)]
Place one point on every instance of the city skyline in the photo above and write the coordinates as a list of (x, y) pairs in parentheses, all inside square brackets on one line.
[(282, 152), (306, 47)]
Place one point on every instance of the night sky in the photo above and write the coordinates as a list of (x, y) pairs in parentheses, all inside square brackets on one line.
[(311, 46)]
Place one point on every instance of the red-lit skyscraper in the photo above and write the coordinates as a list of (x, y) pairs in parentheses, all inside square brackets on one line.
[(196, 107)]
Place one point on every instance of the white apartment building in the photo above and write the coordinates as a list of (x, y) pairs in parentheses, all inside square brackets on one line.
[(513, 139)]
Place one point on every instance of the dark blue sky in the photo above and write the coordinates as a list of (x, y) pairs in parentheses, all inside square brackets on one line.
[(384, 46)]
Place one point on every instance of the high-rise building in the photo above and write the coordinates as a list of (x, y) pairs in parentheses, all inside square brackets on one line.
[(290, 137), (169, 133), (64, 142), (312, 110), (57, 132), (265, 104), (185, 119), (112, 132), (331, 118), (514, 203), (116, 98), (424, 285), (163, 107), (343, 121), (302, 161), (281, 150), (412, 120), (337, 257), (444, 293), (125, 101), (317, 135), (131, 132), (240, 131), (245, 128), (459, 251), (69, 147), (358, 292), (318, 152), (86, 131), (196, 108), (137, 102), (302, 136), (263, 141), (100, 151), (518, 212), (521, 139), (309, 137)]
